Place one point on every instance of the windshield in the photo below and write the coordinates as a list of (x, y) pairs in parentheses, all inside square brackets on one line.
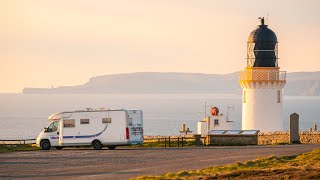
[(53, 126)]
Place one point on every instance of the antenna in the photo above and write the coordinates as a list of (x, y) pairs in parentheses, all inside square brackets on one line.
[(205, 108), (267, 21), (229, 107)]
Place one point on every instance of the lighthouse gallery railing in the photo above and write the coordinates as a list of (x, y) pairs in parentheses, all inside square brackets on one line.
[(262, 75)]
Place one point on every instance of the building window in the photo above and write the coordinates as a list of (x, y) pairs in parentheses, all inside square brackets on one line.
[(84, 121), (279, 96), (106, 120), (244, 96), (69, 123), (216, 122)]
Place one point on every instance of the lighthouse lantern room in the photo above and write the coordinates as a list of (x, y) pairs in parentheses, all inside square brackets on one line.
[(262, 82)]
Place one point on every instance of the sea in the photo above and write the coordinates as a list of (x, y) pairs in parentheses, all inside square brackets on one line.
[(23, 116)]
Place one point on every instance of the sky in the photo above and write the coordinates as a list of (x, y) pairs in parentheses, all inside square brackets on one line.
[(45, 43)]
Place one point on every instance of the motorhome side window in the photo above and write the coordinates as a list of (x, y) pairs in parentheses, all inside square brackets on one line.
[(84, 121), (69, 123), (106, 120)]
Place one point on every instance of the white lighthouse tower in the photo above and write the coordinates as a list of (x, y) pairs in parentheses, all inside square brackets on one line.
[(262, 82)]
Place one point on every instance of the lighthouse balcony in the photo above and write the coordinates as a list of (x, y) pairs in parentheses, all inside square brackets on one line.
[(262, 75)]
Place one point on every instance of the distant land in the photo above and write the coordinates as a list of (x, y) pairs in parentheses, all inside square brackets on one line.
[(298, 84)]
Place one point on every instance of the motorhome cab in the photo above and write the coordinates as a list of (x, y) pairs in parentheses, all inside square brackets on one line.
[(95, 128)]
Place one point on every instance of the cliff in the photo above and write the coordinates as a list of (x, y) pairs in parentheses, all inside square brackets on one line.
[(299, 83)]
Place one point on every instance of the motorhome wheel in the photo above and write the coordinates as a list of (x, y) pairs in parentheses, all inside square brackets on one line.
[(45, 145), (97, 145)]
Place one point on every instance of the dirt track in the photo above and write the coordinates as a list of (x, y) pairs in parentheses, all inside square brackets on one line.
[(124, 163)]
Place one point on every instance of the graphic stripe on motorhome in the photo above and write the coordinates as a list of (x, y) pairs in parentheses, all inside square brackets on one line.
[(85, 136)]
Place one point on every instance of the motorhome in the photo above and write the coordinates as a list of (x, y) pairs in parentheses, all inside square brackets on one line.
[(96, 128)]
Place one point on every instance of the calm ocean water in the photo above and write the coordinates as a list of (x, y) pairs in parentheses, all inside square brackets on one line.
[(25, 115)]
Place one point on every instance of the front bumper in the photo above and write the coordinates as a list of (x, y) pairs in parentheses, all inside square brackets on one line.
[(38, 142)]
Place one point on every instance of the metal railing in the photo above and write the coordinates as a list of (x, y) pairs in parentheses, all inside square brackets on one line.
[(272, 75), (17, 141), (171, 141), (163, 141)]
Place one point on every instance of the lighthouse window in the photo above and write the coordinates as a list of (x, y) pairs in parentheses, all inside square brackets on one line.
[(279, 96), (244, 96)]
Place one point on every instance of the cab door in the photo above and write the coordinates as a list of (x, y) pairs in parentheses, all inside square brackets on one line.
[(52, 132)]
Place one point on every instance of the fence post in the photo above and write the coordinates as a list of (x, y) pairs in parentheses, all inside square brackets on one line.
[(165, 142), (181, 141), (169, 142), (178, 141)]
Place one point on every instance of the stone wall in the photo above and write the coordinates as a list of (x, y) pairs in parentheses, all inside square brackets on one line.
[(309, 137), (224, 139), (283, 138)]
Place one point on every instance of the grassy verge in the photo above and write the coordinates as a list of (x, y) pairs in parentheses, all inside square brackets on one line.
[(304, 166), (19, 147), (156, 143)]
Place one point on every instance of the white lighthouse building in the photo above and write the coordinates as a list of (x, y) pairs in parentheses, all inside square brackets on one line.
[(262, 82)]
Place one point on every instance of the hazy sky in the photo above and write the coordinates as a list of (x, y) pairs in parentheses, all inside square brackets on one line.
[(45, 43)]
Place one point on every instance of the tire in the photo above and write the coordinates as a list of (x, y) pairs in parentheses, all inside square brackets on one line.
[(45, 145), (96, 145), (111, 147), (58, 147)]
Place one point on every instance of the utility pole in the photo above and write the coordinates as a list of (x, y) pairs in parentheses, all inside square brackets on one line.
[(205, 108), (229, 107)]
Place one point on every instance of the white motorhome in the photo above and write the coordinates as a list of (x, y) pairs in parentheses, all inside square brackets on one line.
[(95, 128)]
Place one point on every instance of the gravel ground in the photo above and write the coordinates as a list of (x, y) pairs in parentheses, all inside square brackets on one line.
[(124, 163)]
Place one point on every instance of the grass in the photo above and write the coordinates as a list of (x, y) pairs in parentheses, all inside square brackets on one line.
[(17, 147), (304, 166), (147, 143), (157, 143)]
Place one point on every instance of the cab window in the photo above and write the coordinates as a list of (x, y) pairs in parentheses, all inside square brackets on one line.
[(53, 127)]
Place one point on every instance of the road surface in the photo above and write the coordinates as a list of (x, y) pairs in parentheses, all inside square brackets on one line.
[(124, 163)]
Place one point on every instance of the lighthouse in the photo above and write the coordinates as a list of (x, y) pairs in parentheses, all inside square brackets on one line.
[(262, 82)]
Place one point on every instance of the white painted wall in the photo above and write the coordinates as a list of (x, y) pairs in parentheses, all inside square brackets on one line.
[(202, 127), (261, 110), (223, 124)]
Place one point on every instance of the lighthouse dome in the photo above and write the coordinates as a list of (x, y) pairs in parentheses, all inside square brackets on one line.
[(262, 47), (262, 34)]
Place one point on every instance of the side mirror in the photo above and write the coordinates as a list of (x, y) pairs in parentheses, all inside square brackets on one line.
[(45, 129)]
